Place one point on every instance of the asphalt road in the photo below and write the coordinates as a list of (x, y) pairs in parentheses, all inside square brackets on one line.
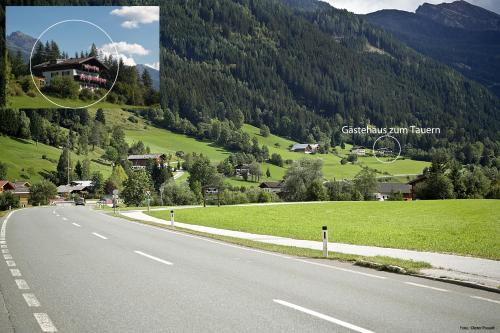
[(71, 269)]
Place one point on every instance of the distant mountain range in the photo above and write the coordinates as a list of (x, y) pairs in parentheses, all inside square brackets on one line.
[(462, 35), (19, 41)]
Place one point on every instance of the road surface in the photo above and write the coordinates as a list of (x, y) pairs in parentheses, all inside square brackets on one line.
[(71, 269)]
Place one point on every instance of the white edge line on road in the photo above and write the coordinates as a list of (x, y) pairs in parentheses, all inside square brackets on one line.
[(424, 286), (341, 269), (45, 323), (64, 219), (5, 250), (10, 263), (22, 284), (98, 235), (15, 272), (486, 299), (76, 224), (31, 300), (153, 258), (7, 256), (323, 316)]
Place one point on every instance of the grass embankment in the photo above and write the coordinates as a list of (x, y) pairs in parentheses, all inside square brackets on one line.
[(378, 262), (37, 102), (24, 159), (465, 227)]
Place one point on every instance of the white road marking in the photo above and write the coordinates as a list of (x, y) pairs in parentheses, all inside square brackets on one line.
[(341, 269), (98, 235), (22, 284), (323, 316), (154, 258), (15, 272), (3, 246), (5, 251), (45, 323), (57, 215), (76, 224), (7, 256), (424, 286), (11, 263), (31, 300), (64, 219), (2, 241), (486, 299)]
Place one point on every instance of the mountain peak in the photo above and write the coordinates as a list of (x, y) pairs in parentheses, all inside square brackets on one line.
[(461, 14)]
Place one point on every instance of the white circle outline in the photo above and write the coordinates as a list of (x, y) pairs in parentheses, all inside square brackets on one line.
[(386, 136), (74, 20)]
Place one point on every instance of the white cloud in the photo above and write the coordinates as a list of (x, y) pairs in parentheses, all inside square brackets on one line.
[(369, 6), (125, 51), (136, 15), (155, 65), (125, 48)]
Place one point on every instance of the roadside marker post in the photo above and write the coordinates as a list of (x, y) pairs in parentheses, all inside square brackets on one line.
[(172, 217), (325, 241)]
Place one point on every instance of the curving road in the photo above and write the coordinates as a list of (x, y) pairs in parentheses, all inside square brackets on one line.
[(71, 269)]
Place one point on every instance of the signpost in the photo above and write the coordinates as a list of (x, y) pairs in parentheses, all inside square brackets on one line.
[(148, 195), (210, 191), (172, 217), (115, 200), (325, 241)]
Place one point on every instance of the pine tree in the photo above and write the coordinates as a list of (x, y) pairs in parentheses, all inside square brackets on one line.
[(78, 170), (146, 79), (93, 51)]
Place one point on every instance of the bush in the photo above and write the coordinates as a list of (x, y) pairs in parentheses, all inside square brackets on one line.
[(86, 94), (31, 93), (343, 161), (133, 119), (64, 87), (8, 201), (41, 193)]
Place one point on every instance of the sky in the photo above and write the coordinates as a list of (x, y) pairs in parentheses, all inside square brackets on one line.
[(369, 6), (134, 30)]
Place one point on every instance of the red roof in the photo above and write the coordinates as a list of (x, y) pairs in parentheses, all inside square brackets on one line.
[(4, 183)]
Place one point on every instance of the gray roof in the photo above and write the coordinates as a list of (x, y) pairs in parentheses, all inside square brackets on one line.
[(394, 188), (143, 157), (21, 189)]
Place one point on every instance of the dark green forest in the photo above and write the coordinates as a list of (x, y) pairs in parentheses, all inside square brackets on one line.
[(305, 69)]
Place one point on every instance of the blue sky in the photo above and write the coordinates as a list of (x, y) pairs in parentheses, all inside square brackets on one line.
[(135, 30)]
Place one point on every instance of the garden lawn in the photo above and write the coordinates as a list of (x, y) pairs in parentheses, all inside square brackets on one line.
[(465, 227)]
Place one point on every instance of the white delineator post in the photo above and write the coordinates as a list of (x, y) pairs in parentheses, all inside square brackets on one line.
[(172, 217), (325, 241)]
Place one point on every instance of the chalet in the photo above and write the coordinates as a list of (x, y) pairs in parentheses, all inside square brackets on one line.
[(86, 71), (384, 151), (306, 148), (242, 169), (358, 150), (5, 185), (386, 190), (141, 161), (80, 187), (413, 183), (22, 191), (271, 187)]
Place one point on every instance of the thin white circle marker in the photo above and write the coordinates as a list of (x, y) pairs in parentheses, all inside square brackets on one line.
[(375, 154)]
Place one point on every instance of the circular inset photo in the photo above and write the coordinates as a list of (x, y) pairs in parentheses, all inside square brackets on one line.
[(386, 149), (77, 75)]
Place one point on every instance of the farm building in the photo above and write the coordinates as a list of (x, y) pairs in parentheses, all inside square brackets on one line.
[(141, 161), (413, 183), (271, 187), (5, 185), (75, 187), (358, 150), (18, 189), (86, 71), (307, 148), (386, 190)]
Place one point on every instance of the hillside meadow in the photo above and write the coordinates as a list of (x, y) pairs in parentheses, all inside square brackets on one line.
[(465, 227)]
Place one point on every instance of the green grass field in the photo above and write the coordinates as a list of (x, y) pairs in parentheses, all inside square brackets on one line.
[(37, 102), (465, 227), (24, 159)]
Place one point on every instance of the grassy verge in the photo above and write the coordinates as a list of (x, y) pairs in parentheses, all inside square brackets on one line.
[(465, 227), (378, 262)]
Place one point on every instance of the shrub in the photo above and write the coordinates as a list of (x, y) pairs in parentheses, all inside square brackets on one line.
[(86, 94), (31, 93), (64, 87), (42, 192), (8, 200)]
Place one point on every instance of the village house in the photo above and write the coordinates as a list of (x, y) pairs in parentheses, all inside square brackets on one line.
[(413, 183), (22, 191), (242, 169), (141, 161), (80, 187), (384, 151), (5, 185), (386, 190), (271, 187), (86, 71), (306, 148), (358, 150)]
